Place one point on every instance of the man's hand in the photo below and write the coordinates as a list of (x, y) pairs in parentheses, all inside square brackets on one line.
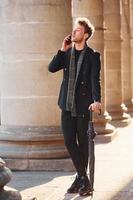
[(66, 43), (96, 107)]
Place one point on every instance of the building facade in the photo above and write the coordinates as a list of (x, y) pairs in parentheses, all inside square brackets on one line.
[(31, 32)]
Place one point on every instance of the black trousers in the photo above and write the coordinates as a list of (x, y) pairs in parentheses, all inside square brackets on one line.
[(76, 141)]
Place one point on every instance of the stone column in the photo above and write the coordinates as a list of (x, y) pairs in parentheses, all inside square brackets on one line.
[(131, 45), (93, 10), (125, 57), (112, 38), (31, 33)]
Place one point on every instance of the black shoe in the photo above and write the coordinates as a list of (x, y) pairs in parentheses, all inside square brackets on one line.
[(85, 189), (75, 186)]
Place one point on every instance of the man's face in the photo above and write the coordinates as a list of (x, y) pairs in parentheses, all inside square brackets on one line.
[(78, 34)]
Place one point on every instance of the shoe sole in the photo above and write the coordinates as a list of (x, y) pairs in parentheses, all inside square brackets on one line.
[(89, 193)]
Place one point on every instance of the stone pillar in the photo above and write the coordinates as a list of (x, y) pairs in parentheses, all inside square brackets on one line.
[(31, 33), (131, 45), (5, 177), (93, 10), (112, 38), (125, 57)]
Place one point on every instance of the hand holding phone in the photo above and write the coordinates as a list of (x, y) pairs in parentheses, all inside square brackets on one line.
[(66, 43), (68, 39)]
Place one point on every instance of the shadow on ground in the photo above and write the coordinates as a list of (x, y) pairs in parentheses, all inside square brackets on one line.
[(24, 180)]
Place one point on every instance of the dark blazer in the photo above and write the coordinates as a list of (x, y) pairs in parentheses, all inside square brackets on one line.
[(88, 83)]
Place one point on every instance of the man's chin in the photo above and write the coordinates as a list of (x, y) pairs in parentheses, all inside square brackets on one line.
[(75, 41)]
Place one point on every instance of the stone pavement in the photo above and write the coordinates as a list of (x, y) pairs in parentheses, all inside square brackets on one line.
[(113, 174)]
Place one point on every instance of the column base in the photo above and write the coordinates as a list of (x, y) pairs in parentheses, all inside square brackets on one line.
[(106, 131), (62, 164), (120, 117), (31, 145), (129, 106), (106, 138)]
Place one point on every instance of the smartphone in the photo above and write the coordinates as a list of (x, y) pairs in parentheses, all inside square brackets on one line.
[(68, 40)]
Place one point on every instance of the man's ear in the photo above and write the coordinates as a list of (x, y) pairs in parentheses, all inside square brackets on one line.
[(86, 35)]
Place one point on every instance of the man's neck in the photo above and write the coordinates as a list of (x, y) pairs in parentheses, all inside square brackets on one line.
[(79, 46)]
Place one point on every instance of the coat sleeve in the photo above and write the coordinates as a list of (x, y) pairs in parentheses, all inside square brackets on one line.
[(95, 77), (58, 62)]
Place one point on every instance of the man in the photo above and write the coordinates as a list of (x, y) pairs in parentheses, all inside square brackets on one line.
[(80, 92)]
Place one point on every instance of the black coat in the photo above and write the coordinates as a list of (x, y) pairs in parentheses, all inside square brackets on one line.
[(88, 84)]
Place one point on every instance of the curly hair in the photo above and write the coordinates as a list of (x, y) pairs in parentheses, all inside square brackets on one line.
[(89, 28)]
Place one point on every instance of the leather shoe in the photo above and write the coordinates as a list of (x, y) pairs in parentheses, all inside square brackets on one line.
[(74, 188), (85, 189)]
